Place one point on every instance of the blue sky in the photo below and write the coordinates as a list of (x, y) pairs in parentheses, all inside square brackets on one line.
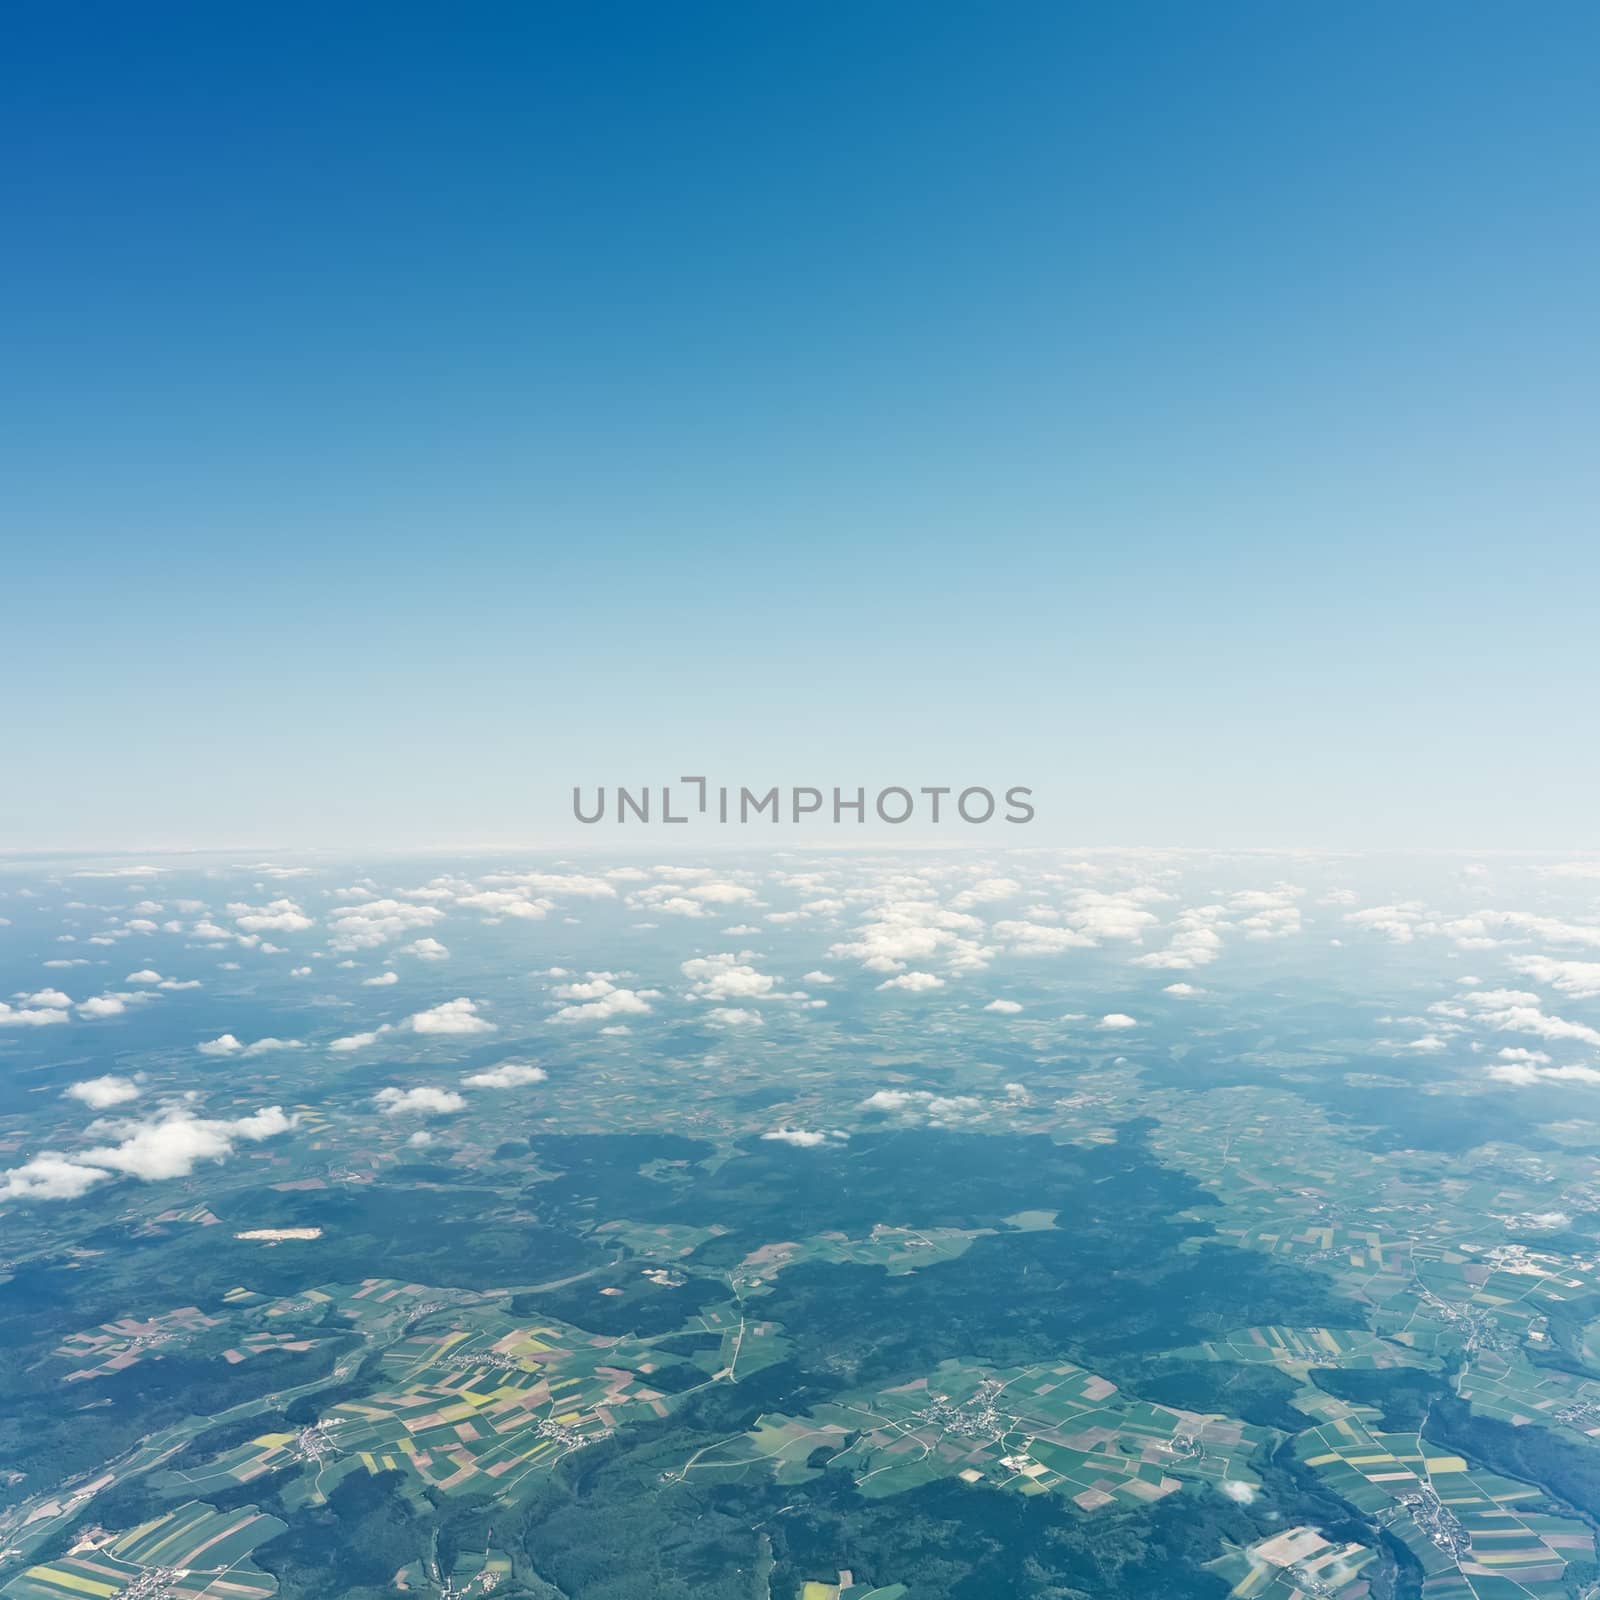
[(1185, 410)]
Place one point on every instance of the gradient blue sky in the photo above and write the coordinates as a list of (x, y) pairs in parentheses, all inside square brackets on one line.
[(1188, 410)]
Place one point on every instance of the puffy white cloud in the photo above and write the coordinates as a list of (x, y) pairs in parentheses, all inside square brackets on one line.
[(425, 950), (1580, 979), (105, 1005), (599, 999), (423, 1101), (30, 1016), (227, 1044), (802, 1138), (45, 997), (914, 982), (1007, 1008), (508, 1075), (1182, 990), (454, 1016), (1515, 1011), (355, 1041), (381, 981), (507, 903), (50, 1176), (726, 977), (734, 1017), (1114, 1021), (986, 891), (1039, 939), (370, 923), (1400, 924), (174, 1143), (278, 916), (1524, 1073), (923, 1105), (818, 977), (100, 1094), (1193, 941), (904, 930)]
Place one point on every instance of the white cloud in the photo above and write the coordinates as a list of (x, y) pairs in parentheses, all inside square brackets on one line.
[(599, 999), (734, 1017), (507, 903), (422, 1101), (1008, 1008), (355, 1041), (173, 1144), (454, 1016), (425, 950), (382, 981), (1580, 979), (105, 1005), (46, 997), (144, 975), (1183, 990), (30, 1017), (508, 1075), (100, 1094), (726, 977), (226, 1044), (49, 1176), (278, 916), (370, 923), (801, 1138), (914, 982), (1113, 1021)]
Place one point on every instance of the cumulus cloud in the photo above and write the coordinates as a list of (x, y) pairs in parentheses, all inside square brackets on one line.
[(425, 950), (508, 1075), (802, 1138), (100, 1094), (170, 1145), (1113, 1021), (423, 1101), (599, 999), (904, 930), (370, 923), (914, 982), (942, 1110), (45, 997), (726, 977), (734, 1017), (30, 1016), (1182, 990), (355, 1041), (1039, 939), (278, 916), (381, 981), (227, 1044), (499, 903), (50, 1176), (106, 1005), (1580, 979), (1008, 1008), (454, 1016)]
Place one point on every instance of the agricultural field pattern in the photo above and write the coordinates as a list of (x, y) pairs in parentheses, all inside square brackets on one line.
[(804, 1226)]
